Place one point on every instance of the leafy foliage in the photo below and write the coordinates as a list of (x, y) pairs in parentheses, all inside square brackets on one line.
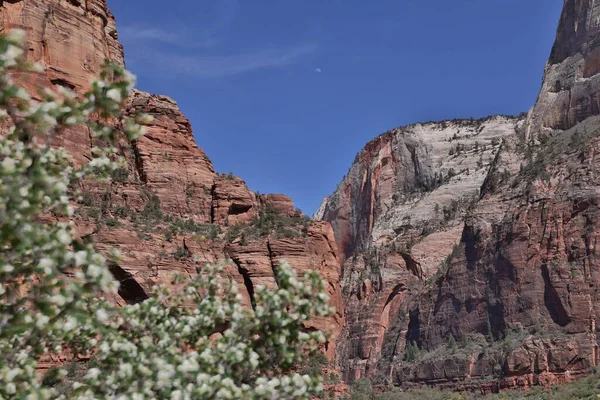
[(268, 222), (120, 175)]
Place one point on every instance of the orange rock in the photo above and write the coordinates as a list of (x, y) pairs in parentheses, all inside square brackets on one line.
[(169, 180), (280, 203), (232, 201)]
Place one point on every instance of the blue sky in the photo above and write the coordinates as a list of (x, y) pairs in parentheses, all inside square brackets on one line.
[(285, 93)]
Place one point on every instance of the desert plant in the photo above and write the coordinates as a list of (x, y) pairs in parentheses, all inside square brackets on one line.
[(411, 352), (86, 198), (120, 175), (452, 343)]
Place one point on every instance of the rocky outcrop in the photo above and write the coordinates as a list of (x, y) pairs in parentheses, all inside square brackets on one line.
[(571, 83), (232, 201), (413, 179), (167, 161), (257, 261), (280, 203), (71, 40), (522, 283), (166, 210), (513, 301), (375, 285), (398, 214)]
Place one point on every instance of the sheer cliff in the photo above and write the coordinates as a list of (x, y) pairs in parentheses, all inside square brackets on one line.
[(168, 204), (487, 277)]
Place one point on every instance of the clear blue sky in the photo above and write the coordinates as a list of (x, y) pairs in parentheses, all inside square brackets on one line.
[(284, 93)]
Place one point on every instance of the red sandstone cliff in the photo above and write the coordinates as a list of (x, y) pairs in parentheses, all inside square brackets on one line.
[(168, 205), (496, 293)]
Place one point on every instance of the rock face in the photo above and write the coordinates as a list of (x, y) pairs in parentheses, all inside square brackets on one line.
[(408, 180), (168, 205), (514, 300), (519, 293), (399, 213), (571, 83), (71, 39)]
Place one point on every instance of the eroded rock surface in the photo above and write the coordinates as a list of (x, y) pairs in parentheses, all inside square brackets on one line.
[(408, 180), (167, 206), (467, 247), (571, 82), (399, 213), (504, 292)]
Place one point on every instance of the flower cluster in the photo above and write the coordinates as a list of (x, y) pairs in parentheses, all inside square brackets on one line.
[(191, 340)]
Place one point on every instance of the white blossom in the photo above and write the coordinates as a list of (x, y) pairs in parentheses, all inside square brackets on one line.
[(42, 320), (8, 165), (16, 36), (69, 325), (114, 94), (81, 257), (92, 374), (22, 94), (101, 315)]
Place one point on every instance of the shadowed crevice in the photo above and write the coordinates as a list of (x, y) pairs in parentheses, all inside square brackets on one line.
[(63, 83), (412, 265), (139, 162), (236, 209), (247, 282), (272, 262), (129, 289), (553, 302), (397, 289), (212, 203), (413, 333)]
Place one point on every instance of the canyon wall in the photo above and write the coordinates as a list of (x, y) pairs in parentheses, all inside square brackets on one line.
[(167, 207), (569, 91), (486, 279)]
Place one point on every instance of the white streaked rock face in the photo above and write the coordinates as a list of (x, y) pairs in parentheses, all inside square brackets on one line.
[(402, 181)]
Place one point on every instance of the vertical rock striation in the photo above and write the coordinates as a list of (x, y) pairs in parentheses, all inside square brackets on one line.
[(571, 83)]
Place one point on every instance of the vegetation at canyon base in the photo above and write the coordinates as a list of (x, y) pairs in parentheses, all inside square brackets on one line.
[(191, 339), (587, 388)]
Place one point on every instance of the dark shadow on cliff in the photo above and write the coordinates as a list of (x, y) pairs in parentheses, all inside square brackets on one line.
[(129, 289)]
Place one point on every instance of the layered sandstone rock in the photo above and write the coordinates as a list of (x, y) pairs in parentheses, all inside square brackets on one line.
[(258, 260), (167, 160), (71, 40), (468, 247), (409, 179), (232, 201), (166, 210), (524, 277), (280, 203)]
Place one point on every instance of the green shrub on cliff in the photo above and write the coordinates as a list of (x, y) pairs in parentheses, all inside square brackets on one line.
[(189, 340)]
